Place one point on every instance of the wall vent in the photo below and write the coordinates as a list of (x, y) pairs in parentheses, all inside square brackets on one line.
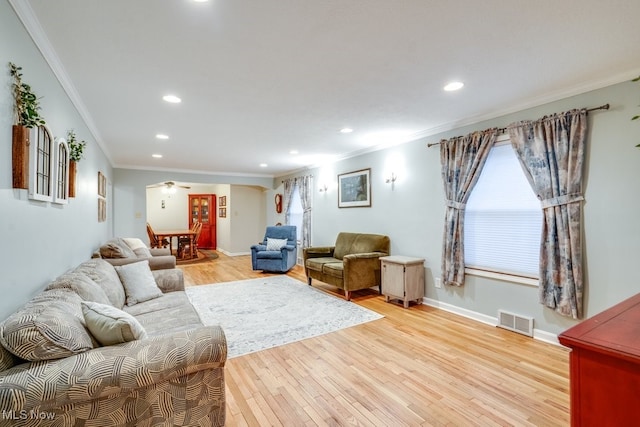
[(515, 322)]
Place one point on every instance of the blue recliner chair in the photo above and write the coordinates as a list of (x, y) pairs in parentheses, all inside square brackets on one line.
[(278, 251)]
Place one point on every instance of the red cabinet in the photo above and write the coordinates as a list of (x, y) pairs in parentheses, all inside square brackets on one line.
[(202, 207), (605, 367)]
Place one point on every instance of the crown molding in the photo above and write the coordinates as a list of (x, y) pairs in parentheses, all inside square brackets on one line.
[(32, 25)]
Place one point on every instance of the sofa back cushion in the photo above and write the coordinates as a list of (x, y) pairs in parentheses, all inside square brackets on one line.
[(116, 248), (104, 274), (82, 285), (50, 326), (6, 359), (359, 243)]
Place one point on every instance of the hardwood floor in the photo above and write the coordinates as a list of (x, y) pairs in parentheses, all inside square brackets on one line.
[(415, 367)]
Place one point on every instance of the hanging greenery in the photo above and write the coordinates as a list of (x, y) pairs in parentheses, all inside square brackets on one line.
[(76, 148), (27, 105)]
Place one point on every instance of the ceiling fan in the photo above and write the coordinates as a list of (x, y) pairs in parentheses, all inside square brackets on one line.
[(169, 187)]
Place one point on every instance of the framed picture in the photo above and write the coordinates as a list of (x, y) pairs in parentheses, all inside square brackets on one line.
[(354, 189), (223, 201), (102, 209), (223, 213), (102, 185)]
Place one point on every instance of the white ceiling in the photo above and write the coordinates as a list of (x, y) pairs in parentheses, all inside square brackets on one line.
[(260, 78)]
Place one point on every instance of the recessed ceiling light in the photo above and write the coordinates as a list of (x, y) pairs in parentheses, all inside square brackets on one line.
[(156, 156), (200, 1), (293, 152), (172, 99), (346, 130), (453, 86), (263, 165), (162, 136)]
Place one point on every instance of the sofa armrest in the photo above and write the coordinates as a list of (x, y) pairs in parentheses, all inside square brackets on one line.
[(155, 263), (111, 370), (318, 251), (160, 251), (362, 269)]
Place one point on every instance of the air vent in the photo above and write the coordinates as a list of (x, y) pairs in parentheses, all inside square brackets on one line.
[(516, 323)]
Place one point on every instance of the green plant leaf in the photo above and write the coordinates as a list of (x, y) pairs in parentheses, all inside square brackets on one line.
[(636, 79), (635, 117)]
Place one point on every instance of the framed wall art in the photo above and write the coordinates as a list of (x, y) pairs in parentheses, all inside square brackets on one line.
[(223, 201), (354, 189), (222, 212)]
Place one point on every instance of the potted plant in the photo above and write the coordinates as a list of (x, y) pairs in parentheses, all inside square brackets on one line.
[(76, 151), (27, 116)]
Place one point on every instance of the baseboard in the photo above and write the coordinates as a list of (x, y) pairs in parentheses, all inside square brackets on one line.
[(545, 336)]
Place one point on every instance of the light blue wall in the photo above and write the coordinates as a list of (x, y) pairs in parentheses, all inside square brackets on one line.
[(39, 241), (411, 212)]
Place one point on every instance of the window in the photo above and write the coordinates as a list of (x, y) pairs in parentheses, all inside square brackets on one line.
[(295, 212), (503, 220), (62, 172), (41, 164)]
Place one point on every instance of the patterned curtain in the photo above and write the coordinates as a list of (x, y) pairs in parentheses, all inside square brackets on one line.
[(289, 185), (551, 152), (462, 160), (304, 186)]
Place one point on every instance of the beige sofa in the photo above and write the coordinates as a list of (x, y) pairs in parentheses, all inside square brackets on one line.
[(122, 251), (63, 362), (353, 263)]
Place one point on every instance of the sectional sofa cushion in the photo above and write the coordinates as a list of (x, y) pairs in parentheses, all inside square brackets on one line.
[(138, 282), (50, 326), (116, 248), (81, 284), (110, 325), (103, 273), (6, 359)]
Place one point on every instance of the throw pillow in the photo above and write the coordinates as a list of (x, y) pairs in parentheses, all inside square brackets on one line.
[(134, 243), (275, 244), (138, 282), (111, 326), (142, 252), (50, 326)]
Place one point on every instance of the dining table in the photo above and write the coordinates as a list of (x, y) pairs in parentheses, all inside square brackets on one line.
[(178, 233)]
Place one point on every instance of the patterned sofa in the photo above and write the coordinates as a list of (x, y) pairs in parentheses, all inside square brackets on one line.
[(353, 263), (96, 348)]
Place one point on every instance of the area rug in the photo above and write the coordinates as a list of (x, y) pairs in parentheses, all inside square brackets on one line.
[(204, 255), (263, 313)]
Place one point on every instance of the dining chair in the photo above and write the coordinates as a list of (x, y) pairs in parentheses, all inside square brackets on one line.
[(186, 242), (153, 239)]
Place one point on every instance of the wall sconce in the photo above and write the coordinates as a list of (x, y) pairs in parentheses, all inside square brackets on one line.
[(392, 178), (323, 188)]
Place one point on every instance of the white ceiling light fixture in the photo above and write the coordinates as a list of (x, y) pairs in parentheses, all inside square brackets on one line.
[(263, 165), (346, 130), (453, 86), (172, 99), (293, 152), (162, 136), (156, 156)]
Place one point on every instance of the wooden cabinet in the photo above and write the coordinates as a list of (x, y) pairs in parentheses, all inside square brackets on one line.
[(403, 278), (202, 207), (605, 367)]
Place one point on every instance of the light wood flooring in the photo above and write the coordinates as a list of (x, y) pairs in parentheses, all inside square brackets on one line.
[(415, 367)]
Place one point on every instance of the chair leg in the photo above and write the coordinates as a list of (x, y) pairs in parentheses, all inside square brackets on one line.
[(347, 295), (309, 281)]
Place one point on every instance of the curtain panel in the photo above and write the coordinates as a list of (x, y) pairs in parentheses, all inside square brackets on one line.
[(305, 188), (289, 185), (462, 159), (551, 151)]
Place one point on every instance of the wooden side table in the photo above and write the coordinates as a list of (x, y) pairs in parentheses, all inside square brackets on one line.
[(403, 278)]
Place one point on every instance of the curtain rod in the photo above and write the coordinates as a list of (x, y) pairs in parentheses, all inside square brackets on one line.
[(504, 130)]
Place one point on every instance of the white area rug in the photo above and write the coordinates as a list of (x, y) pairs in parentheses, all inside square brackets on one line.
[(262, 313)]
